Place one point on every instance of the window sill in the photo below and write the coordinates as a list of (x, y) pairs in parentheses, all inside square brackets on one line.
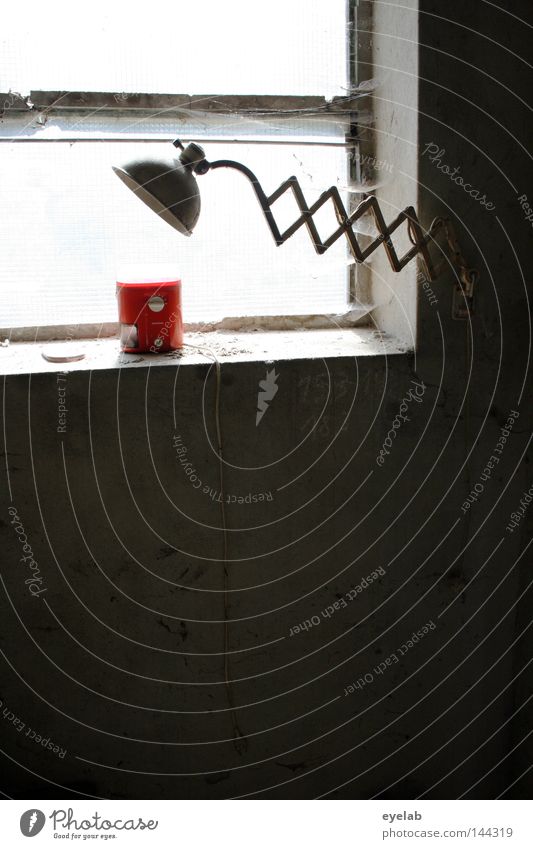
[(258, 346)]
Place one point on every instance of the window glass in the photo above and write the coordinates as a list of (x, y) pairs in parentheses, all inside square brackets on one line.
[(68, 223), (234, 47)]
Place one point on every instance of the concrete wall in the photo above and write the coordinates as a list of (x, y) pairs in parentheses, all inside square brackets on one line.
[(129, 551), (473, 100)]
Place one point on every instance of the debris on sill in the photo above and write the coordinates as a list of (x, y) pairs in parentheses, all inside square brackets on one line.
[(245, 323), (129, 359), (247, 346), (223, 347)]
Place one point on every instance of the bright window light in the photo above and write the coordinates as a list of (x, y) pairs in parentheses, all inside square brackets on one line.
[(68, 223)]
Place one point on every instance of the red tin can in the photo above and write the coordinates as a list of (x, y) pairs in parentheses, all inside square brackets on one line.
[(149, 311)]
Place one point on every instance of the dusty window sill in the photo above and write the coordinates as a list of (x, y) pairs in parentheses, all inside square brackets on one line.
[(227, 346)]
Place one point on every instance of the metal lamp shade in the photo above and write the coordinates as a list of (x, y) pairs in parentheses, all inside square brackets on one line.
[(168, 187)]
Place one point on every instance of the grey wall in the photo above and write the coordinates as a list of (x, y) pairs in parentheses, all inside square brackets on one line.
[(130, 552), (475, 102)]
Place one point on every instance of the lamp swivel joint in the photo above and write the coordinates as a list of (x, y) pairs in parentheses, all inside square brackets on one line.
[(193, 156)]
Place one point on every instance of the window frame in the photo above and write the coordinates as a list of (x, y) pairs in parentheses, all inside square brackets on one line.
[(42, 105)]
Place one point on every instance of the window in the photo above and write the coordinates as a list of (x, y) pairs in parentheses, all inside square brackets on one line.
[(84, 90)]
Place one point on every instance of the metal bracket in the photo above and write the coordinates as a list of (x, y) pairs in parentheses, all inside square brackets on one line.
[(465, 276)]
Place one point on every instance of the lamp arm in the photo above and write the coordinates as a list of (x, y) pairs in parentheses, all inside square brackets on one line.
[(264, 201), (418, 238)]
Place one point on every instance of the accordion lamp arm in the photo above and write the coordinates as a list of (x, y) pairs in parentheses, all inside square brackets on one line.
[(169, 187), (345, 221)]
